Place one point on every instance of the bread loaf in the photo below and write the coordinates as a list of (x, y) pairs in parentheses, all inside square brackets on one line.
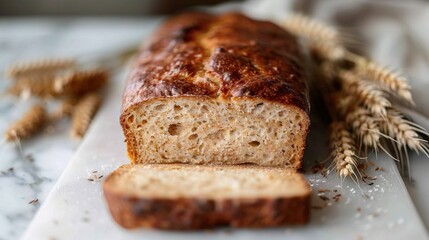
[(221, 89), (184, 197)]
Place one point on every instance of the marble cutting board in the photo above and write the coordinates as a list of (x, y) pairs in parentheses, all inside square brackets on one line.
[(75, 209)]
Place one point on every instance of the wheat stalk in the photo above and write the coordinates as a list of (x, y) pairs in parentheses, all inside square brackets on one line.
[(80, 82), (83, 114), (343, 150), (42, 66), (384, 76), (30, 123), (367, 93)]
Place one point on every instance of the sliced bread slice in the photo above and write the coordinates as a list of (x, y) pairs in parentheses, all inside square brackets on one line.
[(184, 197)]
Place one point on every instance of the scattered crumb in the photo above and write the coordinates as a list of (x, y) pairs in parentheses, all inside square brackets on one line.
[(93, 177), (33, 201), (380, 169), (85, 219), (336, 197), (319, 207), (324, 198), (335, 190), (323, 190), (95, 171), (358, 209)]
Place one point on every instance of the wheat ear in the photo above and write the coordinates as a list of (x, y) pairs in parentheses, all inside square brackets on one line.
[(83, 114), (42, 66), (80, 82), (37, 85), (406, 132), (384, 76), (28, 125), (367, 93), (365, 126), (343, 147)]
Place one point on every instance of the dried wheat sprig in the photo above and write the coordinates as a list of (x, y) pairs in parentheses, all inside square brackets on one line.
[(37, 85), (343, 150), (367, 93), (81, 82), (313, 30), (83, 114), (42, 66), (384, 76), (406, 132), (29, 124)]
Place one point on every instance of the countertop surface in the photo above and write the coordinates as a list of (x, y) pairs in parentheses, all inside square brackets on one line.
[(28, 172)]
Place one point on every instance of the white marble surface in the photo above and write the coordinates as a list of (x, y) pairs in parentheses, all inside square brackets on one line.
[(87, 38), (31, 175)]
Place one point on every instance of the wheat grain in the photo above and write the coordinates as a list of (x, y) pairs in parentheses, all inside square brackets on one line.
[(365, 126), (80, 82), (384, 76), (83, 114), (37, 85), (343, 150), (367, 93), (42, 66), (30, 123)]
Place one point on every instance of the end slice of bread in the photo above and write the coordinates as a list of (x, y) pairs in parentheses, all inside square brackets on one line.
[(185, 197)]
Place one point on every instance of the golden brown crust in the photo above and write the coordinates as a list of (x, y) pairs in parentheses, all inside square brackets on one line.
[(132, 211), (220, 56)]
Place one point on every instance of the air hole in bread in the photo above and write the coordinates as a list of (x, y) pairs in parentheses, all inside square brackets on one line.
[(254, 143), (193, 137), (258, 108), (174, 129), (194, 129), (204, 109), (177, 108), (130, 119)]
